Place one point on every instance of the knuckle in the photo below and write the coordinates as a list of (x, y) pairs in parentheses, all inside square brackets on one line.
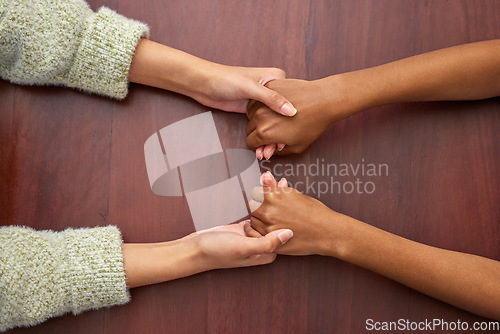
[(252, 143), (266, 215), (266, 129), (261, 134), (266, 259), (298, 149), (270, 258), (259, 115), (249, 129), (255, 223), (253, 107), (279, 73)]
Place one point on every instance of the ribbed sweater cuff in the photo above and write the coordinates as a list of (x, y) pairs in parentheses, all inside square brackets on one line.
[(96, 276), (103, 59)]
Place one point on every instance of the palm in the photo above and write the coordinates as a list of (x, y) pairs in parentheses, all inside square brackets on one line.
[(231, 245)]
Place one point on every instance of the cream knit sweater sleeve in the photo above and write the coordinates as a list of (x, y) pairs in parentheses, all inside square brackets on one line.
[(44, 274), (64, 42)]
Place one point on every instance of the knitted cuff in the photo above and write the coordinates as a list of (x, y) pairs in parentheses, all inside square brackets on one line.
[(32, 276), (96, 277), (102, 62)]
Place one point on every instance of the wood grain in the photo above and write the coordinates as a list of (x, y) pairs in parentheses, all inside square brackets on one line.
[(71, 159)]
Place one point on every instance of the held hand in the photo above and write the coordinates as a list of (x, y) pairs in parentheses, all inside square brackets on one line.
[(284, 207), (229, 88), (219, 86), (297, 133), (238, 245)]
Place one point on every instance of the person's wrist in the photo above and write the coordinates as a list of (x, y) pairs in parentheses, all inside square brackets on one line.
[(177, 258), (160, 66), (196, 79), (366, 89), (200, 257), (335, 240), (197, 257), (202, 81), (345, 94), (150, 263)]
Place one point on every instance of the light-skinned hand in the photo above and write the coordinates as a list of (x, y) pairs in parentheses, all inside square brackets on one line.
[(239, 245)]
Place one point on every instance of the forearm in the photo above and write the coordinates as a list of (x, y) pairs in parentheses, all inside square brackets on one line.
[(228, 246), (151, 263), (464, 72), (464, 280), (163, 67)]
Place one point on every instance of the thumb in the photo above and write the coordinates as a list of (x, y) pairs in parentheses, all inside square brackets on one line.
[(268, 243), (272, 99)]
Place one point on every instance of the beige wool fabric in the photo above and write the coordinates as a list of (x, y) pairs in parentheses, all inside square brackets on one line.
[(63, 42), (44, 274)]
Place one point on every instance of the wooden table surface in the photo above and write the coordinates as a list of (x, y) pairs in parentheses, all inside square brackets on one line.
[(69, 159)]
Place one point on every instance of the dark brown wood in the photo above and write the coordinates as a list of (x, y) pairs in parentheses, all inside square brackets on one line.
[(71, 159)]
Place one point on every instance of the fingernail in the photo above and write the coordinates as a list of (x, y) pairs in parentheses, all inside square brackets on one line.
[(288, 110), (280, 146), (283, 183), (269, 153), (285, 236), (265, 176), (260, 155)]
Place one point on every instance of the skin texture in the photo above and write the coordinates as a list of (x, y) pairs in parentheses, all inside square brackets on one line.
[(469, 71), (229, 246), (297, 132), (464, 72), (227, 88), (467, 281)]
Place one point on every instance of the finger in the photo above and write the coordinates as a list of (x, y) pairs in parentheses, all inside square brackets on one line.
[(207, 230), (254, 205), (259, 152), (257, 260), (258, 225), (249, 231), (283, 183), (268, 243), (273, 74), (272, 99), (267, 179), (280, 147), (253, 141), (251, 125), (269, 151), (258, 194), (252, 108), (287, 150)]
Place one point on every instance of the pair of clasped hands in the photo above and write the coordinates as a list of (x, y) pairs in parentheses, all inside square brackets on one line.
[(285, 116), (276, 206), (270, 101)]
